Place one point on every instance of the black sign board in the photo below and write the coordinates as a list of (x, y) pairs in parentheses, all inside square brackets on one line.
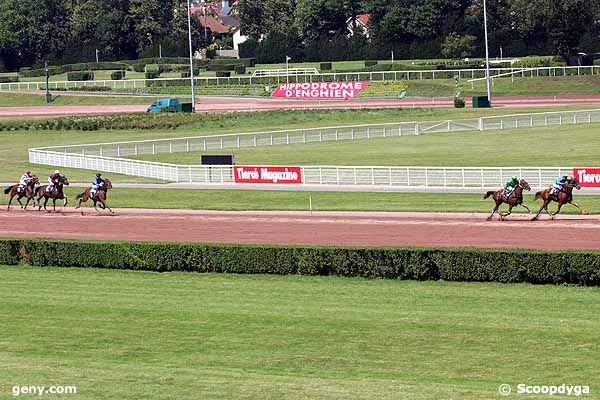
[(217, 159)]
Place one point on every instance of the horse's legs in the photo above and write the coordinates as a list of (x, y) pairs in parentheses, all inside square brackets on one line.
[(557, 210), (581, 210), (45, 202), (105, 206), (502, 215), (542, 208), (494, 211), (19, 200), (95, 206), (9, 201), (66, 201), (527, 208)]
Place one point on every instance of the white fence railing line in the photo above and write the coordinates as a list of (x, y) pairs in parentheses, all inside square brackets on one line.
[(336, 76), (262, 73), (109, 157)]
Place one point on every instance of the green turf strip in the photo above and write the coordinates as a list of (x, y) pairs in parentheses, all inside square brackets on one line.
[(139, 335), (321, 201)]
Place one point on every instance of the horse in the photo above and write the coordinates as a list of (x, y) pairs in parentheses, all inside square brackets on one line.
[(56, 194), (100, 196), (13, 191), (513, 200), (565, 196)]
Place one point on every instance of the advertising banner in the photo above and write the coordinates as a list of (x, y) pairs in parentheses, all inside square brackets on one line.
[(587, 177), (267, 174), (320, 90)]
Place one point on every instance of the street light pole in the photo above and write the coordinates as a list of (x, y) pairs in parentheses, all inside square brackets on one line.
[(48, 97), (189, 12), (96, 55), (287, 68), (487, 55)]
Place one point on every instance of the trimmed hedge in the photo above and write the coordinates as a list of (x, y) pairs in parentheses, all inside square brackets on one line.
[(139, 67), (117, 75), (80, 76), (370, 63), (222, 74), (240, 69), (325, 66), (507, 266), (152, 75)]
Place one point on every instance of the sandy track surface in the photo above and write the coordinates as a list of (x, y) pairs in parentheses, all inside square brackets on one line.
[(237, 104), (317, 228)]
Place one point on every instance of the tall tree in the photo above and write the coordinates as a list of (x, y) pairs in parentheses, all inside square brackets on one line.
[(151, 20), (32, 30)]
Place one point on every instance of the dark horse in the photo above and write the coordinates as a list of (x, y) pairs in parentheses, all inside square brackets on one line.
[(565, 196), (56, 194), (513, 200), (100, 196), (28, 192)]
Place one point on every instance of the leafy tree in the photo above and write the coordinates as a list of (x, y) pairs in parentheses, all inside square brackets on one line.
[(31, 31), (320, 18), (458, 46), (151, 20), (563, 22)]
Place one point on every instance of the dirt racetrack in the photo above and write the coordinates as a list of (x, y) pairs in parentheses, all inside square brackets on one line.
[(318, 228), (241, 104)]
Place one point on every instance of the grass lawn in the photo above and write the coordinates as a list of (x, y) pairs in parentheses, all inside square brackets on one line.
[(283, 200), (14, 157), (141, 335), (515, 147)]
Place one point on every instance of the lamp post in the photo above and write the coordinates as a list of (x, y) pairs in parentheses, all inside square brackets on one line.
[(189, 12), (97, 55), (48, 96), (487, 55), (287, 68)]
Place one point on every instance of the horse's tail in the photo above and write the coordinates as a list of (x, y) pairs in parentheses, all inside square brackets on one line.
[(488, 194), (7, 190), (538, 195)]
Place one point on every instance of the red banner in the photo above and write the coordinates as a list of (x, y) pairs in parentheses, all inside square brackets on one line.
[(320, 90), (275, 175), (587, 177)]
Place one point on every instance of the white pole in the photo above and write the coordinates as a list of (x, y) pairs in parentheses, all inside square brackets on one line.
[(96, 55), (189, 12), (287, 69), (487, 55), (501, 58), (159, 50), (392, 56)]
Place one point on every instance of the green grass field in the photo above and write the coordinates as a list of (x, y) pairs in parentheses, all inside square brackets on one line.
[(514, 147), (14, 157), (139, 335), (283, 200)]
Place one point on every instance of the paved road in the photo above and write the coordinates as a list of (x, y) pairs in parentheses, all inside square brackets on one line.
[(319, 228), (238, 104)]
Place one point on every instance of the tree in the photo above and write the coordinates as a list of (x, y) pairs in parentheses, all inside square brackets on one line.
[(151, 21), (320, 18), (458, 46), (563, 22), (31, 31)]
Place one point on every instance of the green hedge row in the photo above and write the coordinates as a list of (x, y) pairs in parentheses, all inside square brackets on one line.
[(80, 76), (8, 79), (116, 121), (508, 266)]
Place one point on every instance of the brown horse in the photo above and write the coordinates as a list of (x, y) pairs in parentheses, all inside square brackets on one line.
[(565, 196), (56, 194), (100, 196), (513, 200), (28, 192)]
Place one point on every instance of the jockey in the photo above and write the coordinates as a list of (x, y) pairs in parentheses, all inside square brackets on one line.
[(97, 183), (510, 186), (53, 180), (558, 184), (24, 181)]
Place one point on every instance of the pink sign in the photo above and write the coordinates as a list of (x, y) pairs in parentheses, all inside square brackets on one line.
[(587, 177), (267, 174), (320, 90)]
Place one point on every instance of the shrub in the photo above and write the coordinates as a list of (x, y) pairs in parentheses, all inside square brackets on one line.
[(597, 62), (240, 69), (152, 68), (80, 76), (480, 265), (459, 103), (139, 67), (152, 75), (370, 63), (117, 75), (223, 74), (326, 66)]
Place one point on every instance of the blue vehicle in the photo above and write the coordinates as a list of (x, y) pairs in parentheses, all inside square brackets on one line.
[(165, 105)]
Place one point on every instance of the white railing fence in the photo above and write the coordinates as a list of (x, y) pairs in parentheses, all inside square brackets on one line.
[(108, 157), (129, 84)]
